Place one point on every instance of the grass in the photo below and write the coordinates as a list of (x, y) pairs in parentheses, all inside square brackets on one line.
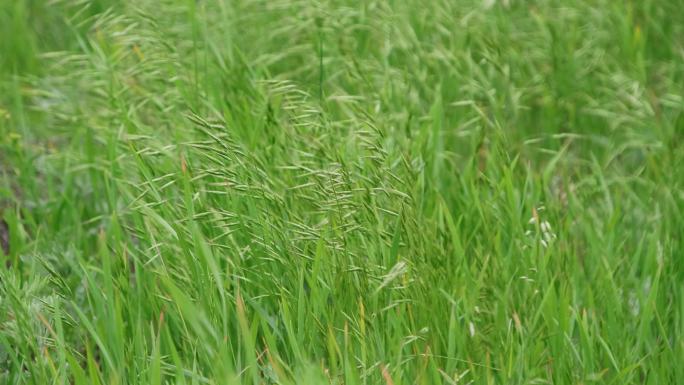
[(341, 192)]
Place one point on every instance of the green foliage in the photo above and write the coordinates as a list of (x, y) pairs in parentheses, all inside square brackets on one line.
[(341, 192)]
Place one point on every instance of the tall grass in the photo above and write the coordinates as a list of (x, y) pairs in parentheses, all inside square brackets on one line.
[(341, 192)]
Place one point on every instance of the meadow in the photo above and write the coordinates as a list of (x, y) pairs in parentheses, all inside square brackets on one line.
[(341, 192)]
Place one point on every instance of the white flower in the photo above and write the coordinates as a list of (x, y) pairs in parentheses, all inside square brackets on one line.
[(547, 234)]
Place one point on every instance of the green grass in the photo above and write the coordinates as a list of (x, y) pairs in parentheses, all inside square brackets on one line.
[(342, 192)]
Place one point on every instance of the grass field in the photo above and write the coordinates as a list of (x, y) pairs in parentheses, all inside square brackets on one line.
[(341, 192)]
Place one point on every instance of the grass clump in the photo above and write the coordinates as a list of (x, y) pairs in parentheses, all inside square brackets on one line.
[(295, 192)]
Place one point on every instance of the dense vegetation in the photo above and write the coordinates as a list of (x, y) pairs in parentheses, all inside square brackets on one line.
[(341, 192)]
